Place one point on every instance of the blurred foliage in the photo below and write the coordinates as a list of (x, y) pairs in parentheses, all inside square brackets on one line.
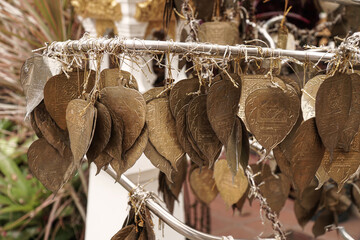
[(27, 209)]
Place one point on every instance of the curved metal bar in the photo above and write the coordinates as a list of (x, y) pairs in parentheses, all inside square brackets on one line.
[(117, 45)]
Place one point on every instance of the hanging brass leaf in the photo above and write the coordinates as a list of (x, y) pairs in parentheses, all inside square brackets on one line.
[(321, 175), (34, 126), (333, 101), (153, 93), (55, 136), (222, 105), (102, 132), (181, 94), (102, 160), (115, 77), (200, 129), (343, 164), (352, 123), (203, 185), (324, 219), (60, 90), (260, 171), (33, 76), (162, 131), (309, 95), (233, 147), (183, 136), (158, 160), (307, 152), (271, 113), (276, 190), (132, 155), (231, 188), (240, 204), (47, 165), (251, 83), (282, 152), (178, 178), (129, 105), (245, 148), (124, 232)]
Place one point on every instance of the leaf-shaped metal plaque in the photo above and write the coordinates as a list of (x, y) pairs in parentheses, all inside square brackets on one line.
[(181, 94), (55, 136), (251, 83), (162, 131), (48, 165), (231, 188), (34, 126), (233, 147), (102, 132), (183, 136), (129, 105), (352, 123), (60, 90), (332, 106), (154, 93), (276, 190), (124, 232), (321, 175), (102, 160), (116, 77), (201, 130), (158, 161), (222, 106), (307, 153), (344, 164), (178, 177), (80, 121), (309, 95), (271, 113), (203, 185), (324, 219), (34, 74)]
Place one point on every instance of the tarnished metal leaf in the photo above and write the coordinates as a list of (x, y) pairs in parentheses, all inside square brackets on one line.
[(129, 105), (154, 93), (333, 101), (162, 131), (271, 113), (231, 188), (47, 165), (178, 178), (183, 136), (309, 95), (124, 232), (203, 185), (352, 123), (324, 219), (102, 132), (34, 126), (102, 160), (321, 175), (307, 153), (115, 77), (60, 90), (233, 147), (33, 76), (181, 94), (80, 121), (201, 130), (55, 136)]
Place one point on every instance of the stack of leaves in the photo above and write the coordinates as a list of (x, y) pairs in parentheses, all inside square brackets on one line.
[(137, 226), (83, 113)]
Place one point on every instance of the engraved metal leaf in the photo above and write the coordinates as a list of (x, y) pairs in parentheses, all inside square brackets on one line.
[(271, 113), (203, 185), (158, 161), (180, 94), (102, 160), (332, 106), (201, 130), (307, 153), (132, 155), (34, 74), (276, 190), (55, 136), (34, 125), (222, 105), (47, 165), (129, 105), (162, 131), (343, 164), (182, 136), (80, 121), (231, 188), (178, 178), (124, 232), (233, 147), (116, 77), (102, 132), (60, 90), (309, 95), (154, 93), (251, 83), (352, 123), (321, 175)]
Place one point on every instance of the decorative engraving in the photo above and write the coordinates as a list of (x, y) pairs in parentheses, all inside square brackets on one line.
[(309, 95), (98, 9)]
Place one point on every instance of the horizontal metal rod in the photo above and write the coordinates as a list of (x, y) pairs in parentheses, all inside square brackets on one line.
[(117, 45), (345, 2)]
